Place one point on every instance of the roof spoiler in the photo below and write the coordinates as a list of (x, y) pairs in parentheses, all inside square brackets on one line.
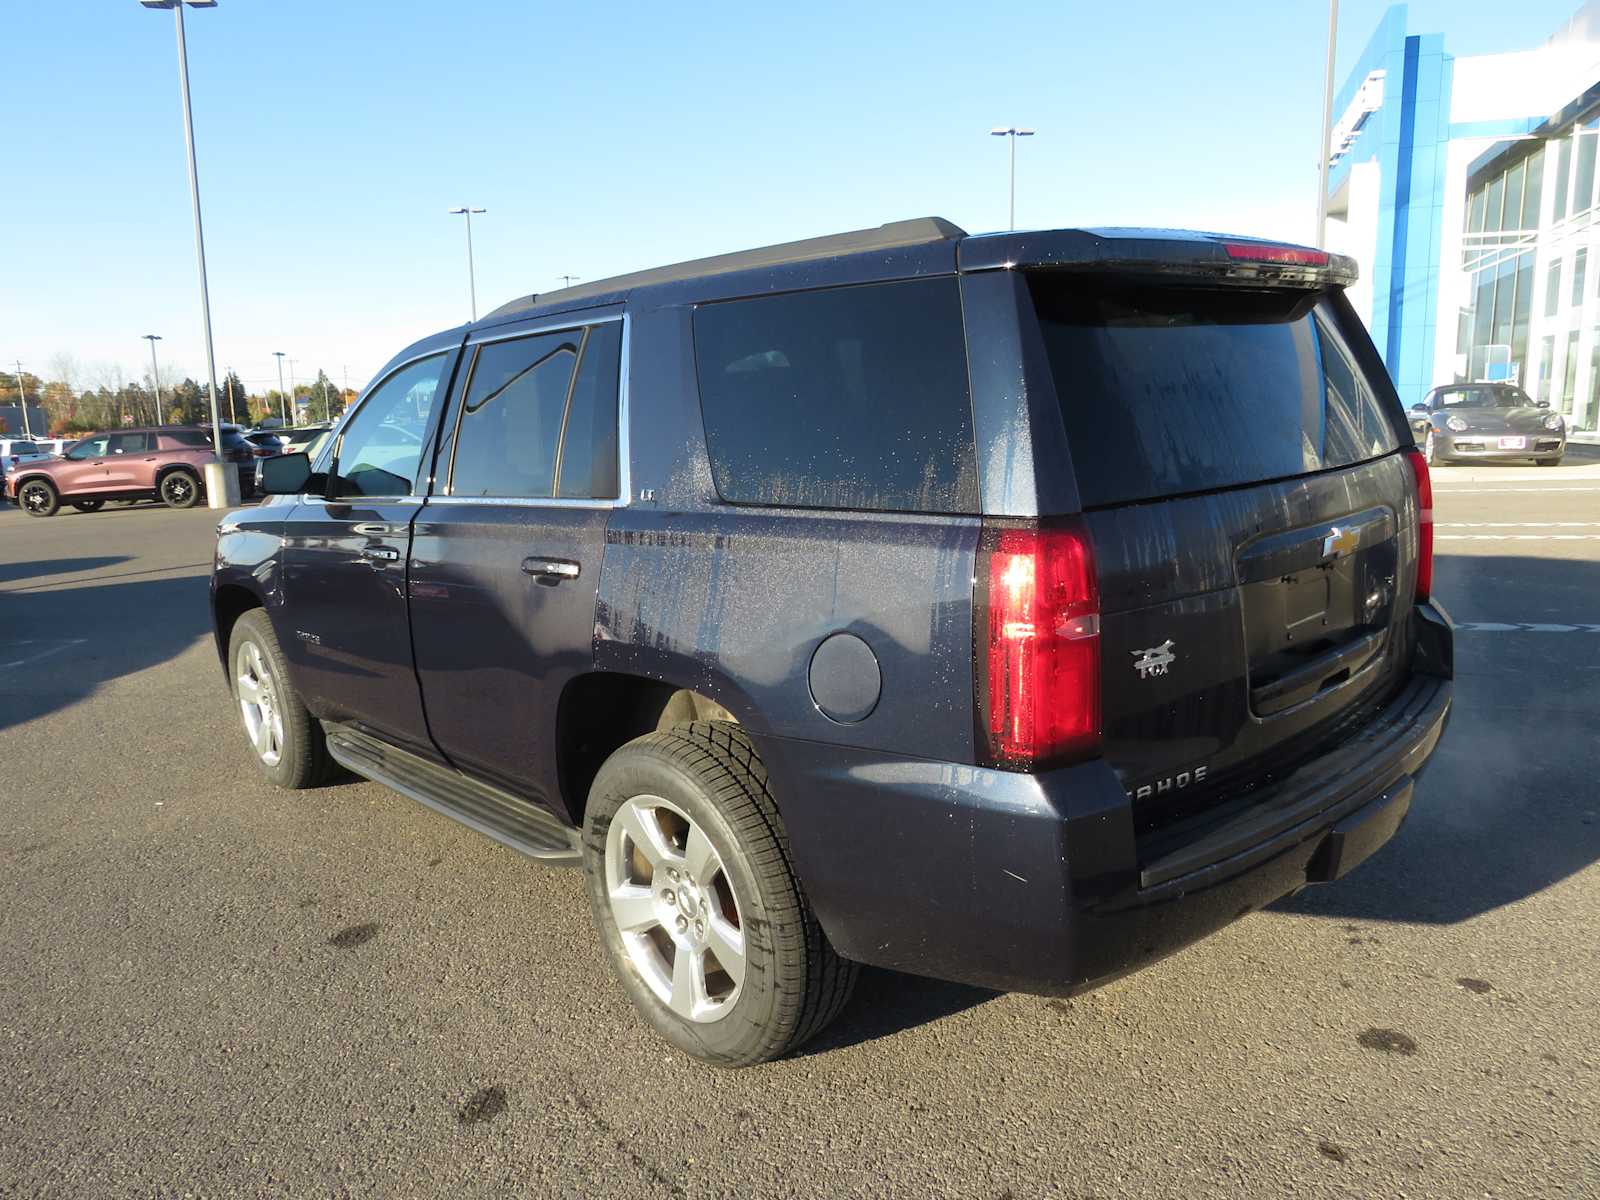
[(1217, 258)]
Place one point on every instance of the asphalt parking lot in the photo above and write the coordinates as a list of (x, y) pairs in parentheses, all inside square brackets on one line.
[(210, 987)]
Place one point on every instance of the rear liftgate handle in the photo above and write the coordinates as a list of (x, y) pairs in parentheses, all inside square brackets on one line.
[(550, 570)]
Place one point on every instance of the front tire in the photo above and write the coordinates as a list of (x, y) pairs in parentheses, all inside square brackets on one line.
[(287, 741), (38, 498), (694, 895), (1549, 462), (1430, 451), (179, 489)]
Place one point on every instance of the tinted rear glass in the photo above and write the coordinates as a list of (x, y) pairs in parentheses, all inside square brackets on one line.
[(1172, 390), (846, 398), (187, 437)]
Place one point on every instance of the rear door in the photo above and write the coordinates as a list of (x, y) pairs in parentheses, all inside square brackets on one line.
[(507, 552), (1237, 454), (130, 462), (345, 553)]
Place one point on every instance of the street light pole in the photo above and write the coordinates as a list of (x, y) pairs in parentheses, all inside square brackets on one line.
[(155, 374), (472, 271), (1013, 133), (278, 354), (218, 494), (291, 411), (1327, 128), (22, 400)]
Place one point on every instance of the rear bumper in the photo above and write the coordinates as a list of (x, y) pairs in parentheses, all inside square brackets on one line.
[(1036, 883)]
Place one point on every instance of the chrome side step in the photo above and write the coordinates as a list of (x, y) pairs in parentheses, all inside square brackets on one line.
[(508, 819)]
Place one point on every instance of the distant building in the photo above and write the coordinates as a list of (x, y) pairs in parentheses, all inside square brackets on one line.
[(1467, 190), (11, 423)]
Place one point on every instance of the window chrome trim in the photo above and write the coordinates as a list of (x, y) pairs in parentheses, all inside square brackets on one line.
[(624, 472)]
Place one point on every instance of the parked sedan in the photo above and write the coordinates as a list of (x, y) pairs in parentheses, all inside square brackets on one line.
[(1487, 420)]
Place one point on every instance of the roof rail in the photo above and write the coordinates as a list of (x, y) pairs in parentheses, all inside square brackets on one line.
[(894, 235)]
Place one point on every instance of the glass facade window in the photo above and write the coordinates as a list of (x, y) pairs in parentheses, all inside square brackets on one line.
[(1547, 352), (1570, 375), (1583, 177), (1563, 177), (1580, 264), (1532, 187), (1552, 289)]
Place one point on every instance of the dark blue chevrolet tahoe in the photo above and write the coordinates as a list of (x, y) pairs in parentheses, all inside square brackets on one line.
[(1011, 609)]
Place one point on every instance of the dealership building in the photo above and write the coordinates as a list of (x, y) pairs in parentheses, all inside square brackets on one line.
[(1466, 188)]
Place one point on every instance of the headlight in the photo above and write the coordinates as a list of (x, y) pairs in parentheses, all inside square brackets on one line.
[(1457, 424), (1552, 421)]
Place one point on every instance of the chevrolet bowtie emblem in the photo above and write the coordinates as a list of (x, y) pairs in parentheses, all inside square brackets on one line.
[(1340, 541)]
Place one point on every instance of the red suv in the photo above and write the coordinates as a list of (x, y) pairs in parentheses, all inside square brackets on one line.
[(165, 463)]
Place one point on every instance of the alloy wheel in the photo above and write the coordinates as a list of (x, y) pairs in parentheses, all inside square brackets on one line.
[(35, 497), (175, 489), (258, 703), (675, 909)]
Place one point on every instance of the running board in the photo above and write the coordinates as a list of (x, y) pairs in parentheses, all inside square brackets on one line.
[(509, 820)]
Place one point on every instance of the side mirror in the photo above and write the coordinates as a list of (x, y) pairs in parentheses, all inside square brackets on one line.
[(1542, 403), (285, 474)]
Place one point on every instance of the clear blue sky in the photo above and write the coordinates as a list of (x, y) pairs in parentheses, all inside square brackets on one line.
[(333, 137)]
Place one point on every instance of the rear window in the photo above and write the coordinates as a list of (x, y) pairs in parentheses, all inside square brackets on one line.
[(24, 448), (844, 398), (1172, 390)]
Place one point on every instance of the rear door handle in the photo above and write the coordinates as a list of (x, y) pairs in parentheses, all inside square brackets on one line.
[(382, 553), (550, 568), (376, 529)]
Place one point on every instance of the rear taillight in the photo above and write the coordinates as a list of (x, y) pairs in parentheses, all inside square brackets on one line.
[(1419, 470), (1037, 635)]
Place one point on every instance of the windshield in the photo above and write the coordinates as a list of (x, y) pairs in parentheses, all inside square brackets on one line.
[(1483, 397)]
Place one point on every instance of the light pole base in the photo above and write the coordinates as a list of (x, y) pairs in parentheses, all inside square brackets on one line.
[(222, 485)]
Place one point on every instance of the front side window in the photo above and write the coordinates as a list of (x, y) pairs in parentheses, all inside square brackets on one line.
[(852, 398), (381, 447), (91, 447)]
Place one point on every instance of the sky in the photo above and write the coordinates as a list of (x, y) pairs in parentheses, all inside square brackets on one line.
[(334, 136)]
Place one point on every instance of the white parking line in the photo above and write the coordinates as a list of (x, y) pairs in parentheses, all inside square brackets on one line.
[(1457, 490), (1516, 525), (1521, 627), (35, 655), (1517, 537)]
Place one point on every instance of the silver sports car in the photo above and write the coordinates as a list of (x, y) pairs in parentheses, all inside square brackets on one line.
[(1487, 420)]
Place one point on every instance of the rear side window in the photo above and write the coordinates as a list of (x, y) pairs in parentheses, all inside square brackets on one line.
[(846, 398), (540, 417), (1166, 391), (130, 443)]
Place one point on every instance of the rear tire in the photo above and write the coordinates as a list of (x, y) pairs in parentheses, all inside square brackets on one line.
[(87, 506), (38, 498), (179, 489), (687, 812), (286, 740), (1549, 462)]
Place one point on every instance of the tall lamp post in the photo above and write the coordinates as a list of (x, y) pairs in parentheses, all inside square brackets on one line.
[(155, 374), (1013, 133), (22, 400), (1327, 128), (472, 272), (278, 354), (222, 483)]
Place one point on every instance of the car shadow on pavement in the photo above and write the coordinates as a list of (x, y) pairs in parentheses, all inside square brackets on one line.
[(58, 645), (887, 1003), (17, 572), (1508, 805)]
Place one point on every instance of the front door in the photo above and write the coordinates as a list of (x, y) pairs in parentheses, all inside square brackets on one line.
[(345, 555), (84, 466), (507, 551)]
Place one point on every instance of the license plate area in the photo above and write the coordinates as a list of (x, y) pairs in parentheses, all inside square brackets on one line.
[(1513, 443), (1317, 604)]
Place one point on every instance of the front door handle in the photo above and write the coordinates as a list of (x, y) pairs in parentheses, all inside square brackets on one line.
[(381, 553), (550, 568), (376, 529)]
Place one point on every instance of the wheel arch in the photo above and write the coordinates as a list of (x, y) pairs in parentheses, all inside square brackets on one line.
[(229, 602), (601, 711)]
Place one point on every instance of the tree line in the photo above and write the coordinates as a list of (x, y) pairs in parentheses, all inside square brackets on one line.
[(71, 409)]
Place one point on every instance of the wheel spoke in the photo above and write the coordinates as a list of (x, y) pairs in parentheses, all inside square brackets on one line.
[(249, 690), (263, 738), (688, 982), (727, 943), (700, 861), (644, 830), (634, 908)]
